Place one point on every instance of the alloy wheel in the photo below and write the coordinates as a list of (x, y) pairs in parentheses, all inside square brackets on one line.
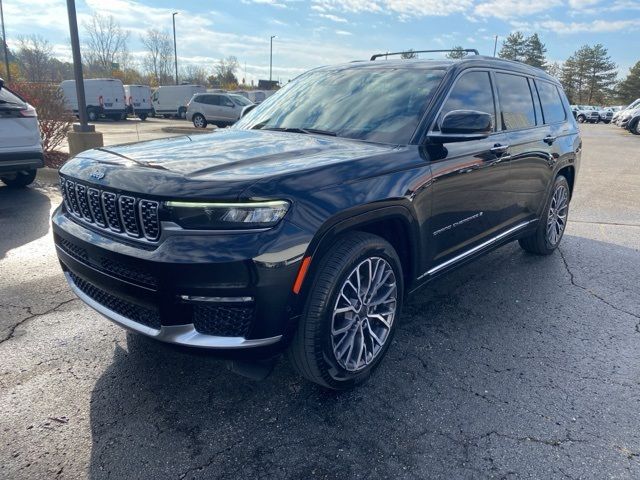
[(198, 121), (364, 313), (557, 218)]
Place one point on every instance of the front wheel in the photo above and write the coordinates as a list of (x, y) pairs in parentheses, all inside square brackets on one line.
[(351, 314), (19, 179), (581, 118), (551, 227), (199, 121)]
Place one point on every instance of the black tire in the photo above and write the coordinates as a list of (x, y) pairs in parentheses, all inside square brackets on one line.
[(143, 116), (19, 179), (199, 121), (311, 352), (581, 118), (182, 113), (635, 127), (92, 114), (539, 242)]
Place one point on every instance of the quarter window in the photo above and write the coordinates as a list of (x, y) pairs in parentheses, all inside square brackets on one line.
[(515, 101), (472, 91), (552, 108)]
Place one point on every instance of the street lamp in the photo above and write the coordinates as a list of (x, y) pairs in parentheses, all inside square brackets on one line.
[(175, 51), (271, 58), (4, 43)]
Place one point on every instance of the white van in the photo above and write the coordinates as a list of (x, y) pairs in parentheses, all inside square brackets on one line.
[(172, 100), (104, 96), (138, 100)]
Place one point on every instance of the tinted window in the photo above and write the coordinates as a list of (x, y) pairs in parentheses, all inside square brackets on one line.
[(368, 102), (240, 100), (472, 91), (552, 108), (515, 101), (200, 99), (213, 99), (225, 101)]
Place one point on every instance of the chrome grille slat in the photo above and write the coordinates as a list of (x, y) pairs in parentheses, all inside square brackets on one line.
[(122, 214)]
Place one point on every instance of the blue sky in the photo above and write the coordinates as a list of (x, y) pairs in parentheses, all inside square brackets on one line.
[(319, 32)]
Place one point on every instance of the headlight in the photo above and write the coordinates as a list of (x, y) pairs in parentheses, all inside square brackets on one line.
[(227, 216)]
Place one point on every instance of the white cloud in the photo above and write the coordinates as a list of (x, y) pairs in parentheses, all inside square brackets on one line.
[(508, 9), (333, 18), (403, 8), (580, 4), (343, 32), (600, 26)]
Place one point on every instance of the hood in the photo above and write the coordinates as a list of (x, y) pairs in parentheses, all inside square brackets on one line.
[(221, 163)]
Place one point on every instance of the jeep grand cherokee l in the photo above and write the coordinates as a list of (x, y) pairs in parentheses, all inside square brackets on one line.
[(304, 226)]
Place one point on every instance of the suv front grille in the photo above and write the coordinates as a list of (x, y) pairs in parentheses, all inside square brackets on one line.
[(223, 320), (146, 316), (123, 214)]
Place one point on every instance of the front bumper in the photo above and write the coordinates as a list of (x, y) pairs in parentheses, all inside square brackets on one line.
[(221, 292)]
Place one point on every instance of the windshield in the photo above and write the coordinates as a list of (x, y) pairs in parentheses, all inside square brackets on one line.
[(373, 103), (240, 100)]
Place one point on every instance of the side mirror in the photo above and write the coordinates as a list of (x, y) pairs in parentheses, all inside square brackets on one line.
[(463, 125)]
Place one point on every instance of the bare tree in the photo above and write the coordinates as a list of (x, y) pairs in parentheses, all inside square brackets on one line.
[(193, 74), (225, 71), (157, 61), (35, 56), (409, 54), (105, 43)]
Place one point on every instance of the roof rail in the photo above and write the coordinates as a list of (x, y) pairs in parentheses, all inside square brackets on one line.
[(468, 50)]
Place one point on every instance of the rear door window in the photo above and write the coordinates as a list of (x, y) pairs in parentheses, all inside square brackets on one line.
[(214, 100), (472, 91), (8, 99), (516, 103), (551, 101)]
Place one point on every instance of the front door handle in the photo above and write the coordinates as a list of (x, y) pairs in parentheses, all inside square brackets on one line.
[(499, 149), (549, 139)]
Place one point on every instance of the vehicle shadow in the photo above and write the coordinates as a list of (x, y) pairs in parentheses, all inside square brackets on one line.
[(492, 368), (24, 217)]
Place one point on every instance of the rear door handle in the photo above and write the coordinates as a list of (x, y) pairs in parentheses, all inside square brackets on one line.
[(549, 139), (499, 149)]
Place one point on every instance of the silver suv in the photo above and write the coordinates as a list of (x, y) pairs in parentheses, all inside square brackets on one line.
[(20, 145), (219, 108)]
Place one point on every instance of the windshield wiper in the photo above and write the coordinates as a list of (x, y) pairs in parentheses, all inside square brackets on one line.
[(301, 130)]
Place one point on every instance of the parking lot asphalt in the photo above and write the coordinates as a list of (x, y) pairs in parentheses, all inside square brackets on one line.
[(514, 366)]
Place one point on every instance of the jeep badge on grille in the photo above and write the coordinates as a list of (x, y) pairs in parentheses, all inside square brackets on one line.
[(98, 173)]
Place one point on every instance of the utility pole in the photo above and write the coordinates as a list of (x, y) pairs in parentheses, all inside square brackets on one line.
[(4, 43), (495, 45), (271, 59), (83, 136), (175, 51)]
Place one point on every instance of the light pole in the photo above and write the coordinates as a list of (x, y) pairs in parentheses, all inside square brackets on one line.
[(495, 45), (4, 43), (77, 66), (175, 51), (271, 58)]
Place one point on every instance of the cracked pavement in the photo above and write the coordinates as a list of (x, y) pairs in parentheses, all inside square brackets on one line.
[(514, 366)]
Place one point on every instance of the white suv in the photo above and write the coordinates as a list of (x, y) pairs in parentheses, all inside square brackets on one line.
[(218, 108), (20, 144)]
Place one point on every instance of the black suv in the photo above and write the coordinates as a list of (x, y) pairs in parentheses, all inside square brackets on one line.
[(304, 226)]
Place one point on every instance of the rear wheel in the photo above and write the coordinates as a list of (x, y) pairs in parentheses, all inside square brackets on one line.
[(143, 116), (351, 312), (182, 113), (19, 179), (581, 118), (199, 121), (92, 114), (551, 227)]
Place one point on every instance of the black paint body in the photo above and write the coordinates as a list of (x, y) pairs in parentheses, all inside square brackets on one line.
[(433, 201)]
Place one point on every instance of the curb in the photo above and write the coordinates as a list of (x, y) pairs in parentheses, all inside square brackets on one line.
[(47, 176), (188, 130)]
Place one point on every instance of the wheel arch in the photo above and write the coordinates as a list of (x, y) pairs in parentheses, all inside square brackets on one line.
[(395, 223)]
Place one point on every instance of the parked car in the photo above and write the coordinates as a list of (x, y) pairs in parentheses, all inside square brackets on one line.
[(138, 100), (218, 108), (585, 113), (626, 116), (605, 114), (617, 116), (20, 144), (304, 226), (172, 100), (105, 97), (255, 96), (633, 124)]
